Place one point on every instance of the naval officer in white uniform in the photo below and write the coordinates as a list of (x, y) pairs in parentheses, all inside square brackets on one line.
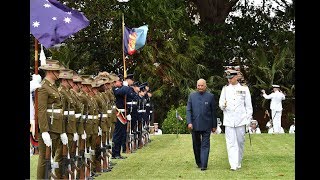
[(235, 102)]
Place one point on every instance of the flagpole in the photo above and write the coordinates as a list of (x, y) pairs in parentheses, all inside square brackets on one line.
[(36, 91), (177, 121), (123, 57), (124, 64)]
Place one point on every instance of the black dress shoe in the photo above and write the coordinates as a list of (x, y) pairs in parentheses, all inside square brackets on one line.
[(119, 157), (203, 169), (106, 170)]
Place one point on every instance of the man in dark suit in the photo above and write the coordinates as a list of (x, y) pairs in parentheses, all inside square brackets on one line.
[(201, 120)]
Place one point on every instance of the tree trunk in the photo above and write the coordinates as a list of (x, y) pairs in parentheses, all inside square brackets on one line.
[(214, 11)]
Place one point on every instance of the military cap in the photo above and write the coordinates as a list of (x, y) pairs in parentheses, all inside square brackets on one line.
[(129, 76), (113, 77), (231, 73), (76, 77), (136, 83), (51, 65), (145, 84), (66, 74), (142, 88), (107, 79), (96, 83), (86, 79), (101, 82)]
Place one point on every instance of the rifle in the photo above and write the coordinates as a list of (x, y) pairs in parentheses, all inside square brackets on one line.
[(81, 159), (88, 159), (65, 171), (48, 173), (78, 158), (65, 163), (128, 139), (104, 154), (134, 138), (73, 159)]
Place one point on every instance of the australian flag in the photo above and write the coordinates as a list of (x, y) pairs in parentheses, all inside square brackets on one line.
[(52, 22), (134, 39)]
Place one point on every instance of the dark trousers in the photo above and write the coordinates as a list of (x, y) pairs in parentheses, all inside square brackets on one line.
[(201, 147), (119, 138)]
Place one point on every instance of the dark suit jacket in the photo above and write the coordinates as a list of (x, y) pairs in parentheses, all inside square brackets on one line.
[(201, 111)]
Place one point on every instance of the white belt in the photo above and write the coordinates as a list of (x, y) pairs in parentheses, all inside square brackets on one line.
[(148, 104), (70, 113), (109, 111), (121, 110), (142, 110), (78, 115), (92, 117), (150, 111), (133, 102), (54, 110), (103, 115)]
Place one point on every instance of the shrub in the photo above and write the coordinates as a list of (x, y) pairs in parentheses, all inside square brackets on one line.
[(171, 125)]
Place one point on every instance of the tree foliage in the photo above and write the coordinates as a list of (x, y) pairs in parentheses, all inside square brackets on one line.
[(171, 125)]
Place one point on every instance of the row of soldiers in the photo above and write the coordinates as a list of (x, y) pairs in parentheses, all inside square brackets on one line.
[(87, 120)]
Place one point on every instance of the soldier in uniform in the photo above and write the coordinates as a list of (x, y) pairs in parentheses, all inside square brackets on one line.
[(90, 125), (102, 124), (148, 117), (133, 109), (69, 107), (119, 136), (235, 102), (128, 81), (79, 108), (276, 106), (141, 113), (93, 117), (50, 115), (112, 119)]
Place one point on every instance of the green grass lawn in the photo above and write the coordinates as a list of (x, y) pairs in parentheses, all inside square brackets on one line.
[(171, 157)]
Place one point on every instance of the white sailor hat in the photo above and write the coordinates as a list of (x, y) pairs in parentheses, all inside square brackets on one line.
[(275, 86), (231, 73), (254, 122)]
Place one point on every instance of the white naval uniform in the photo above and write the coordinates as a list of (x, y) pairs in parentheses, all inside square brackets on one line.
[(236, 115), (276, 109), (292, 129), (271, 130), (254, 131)]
